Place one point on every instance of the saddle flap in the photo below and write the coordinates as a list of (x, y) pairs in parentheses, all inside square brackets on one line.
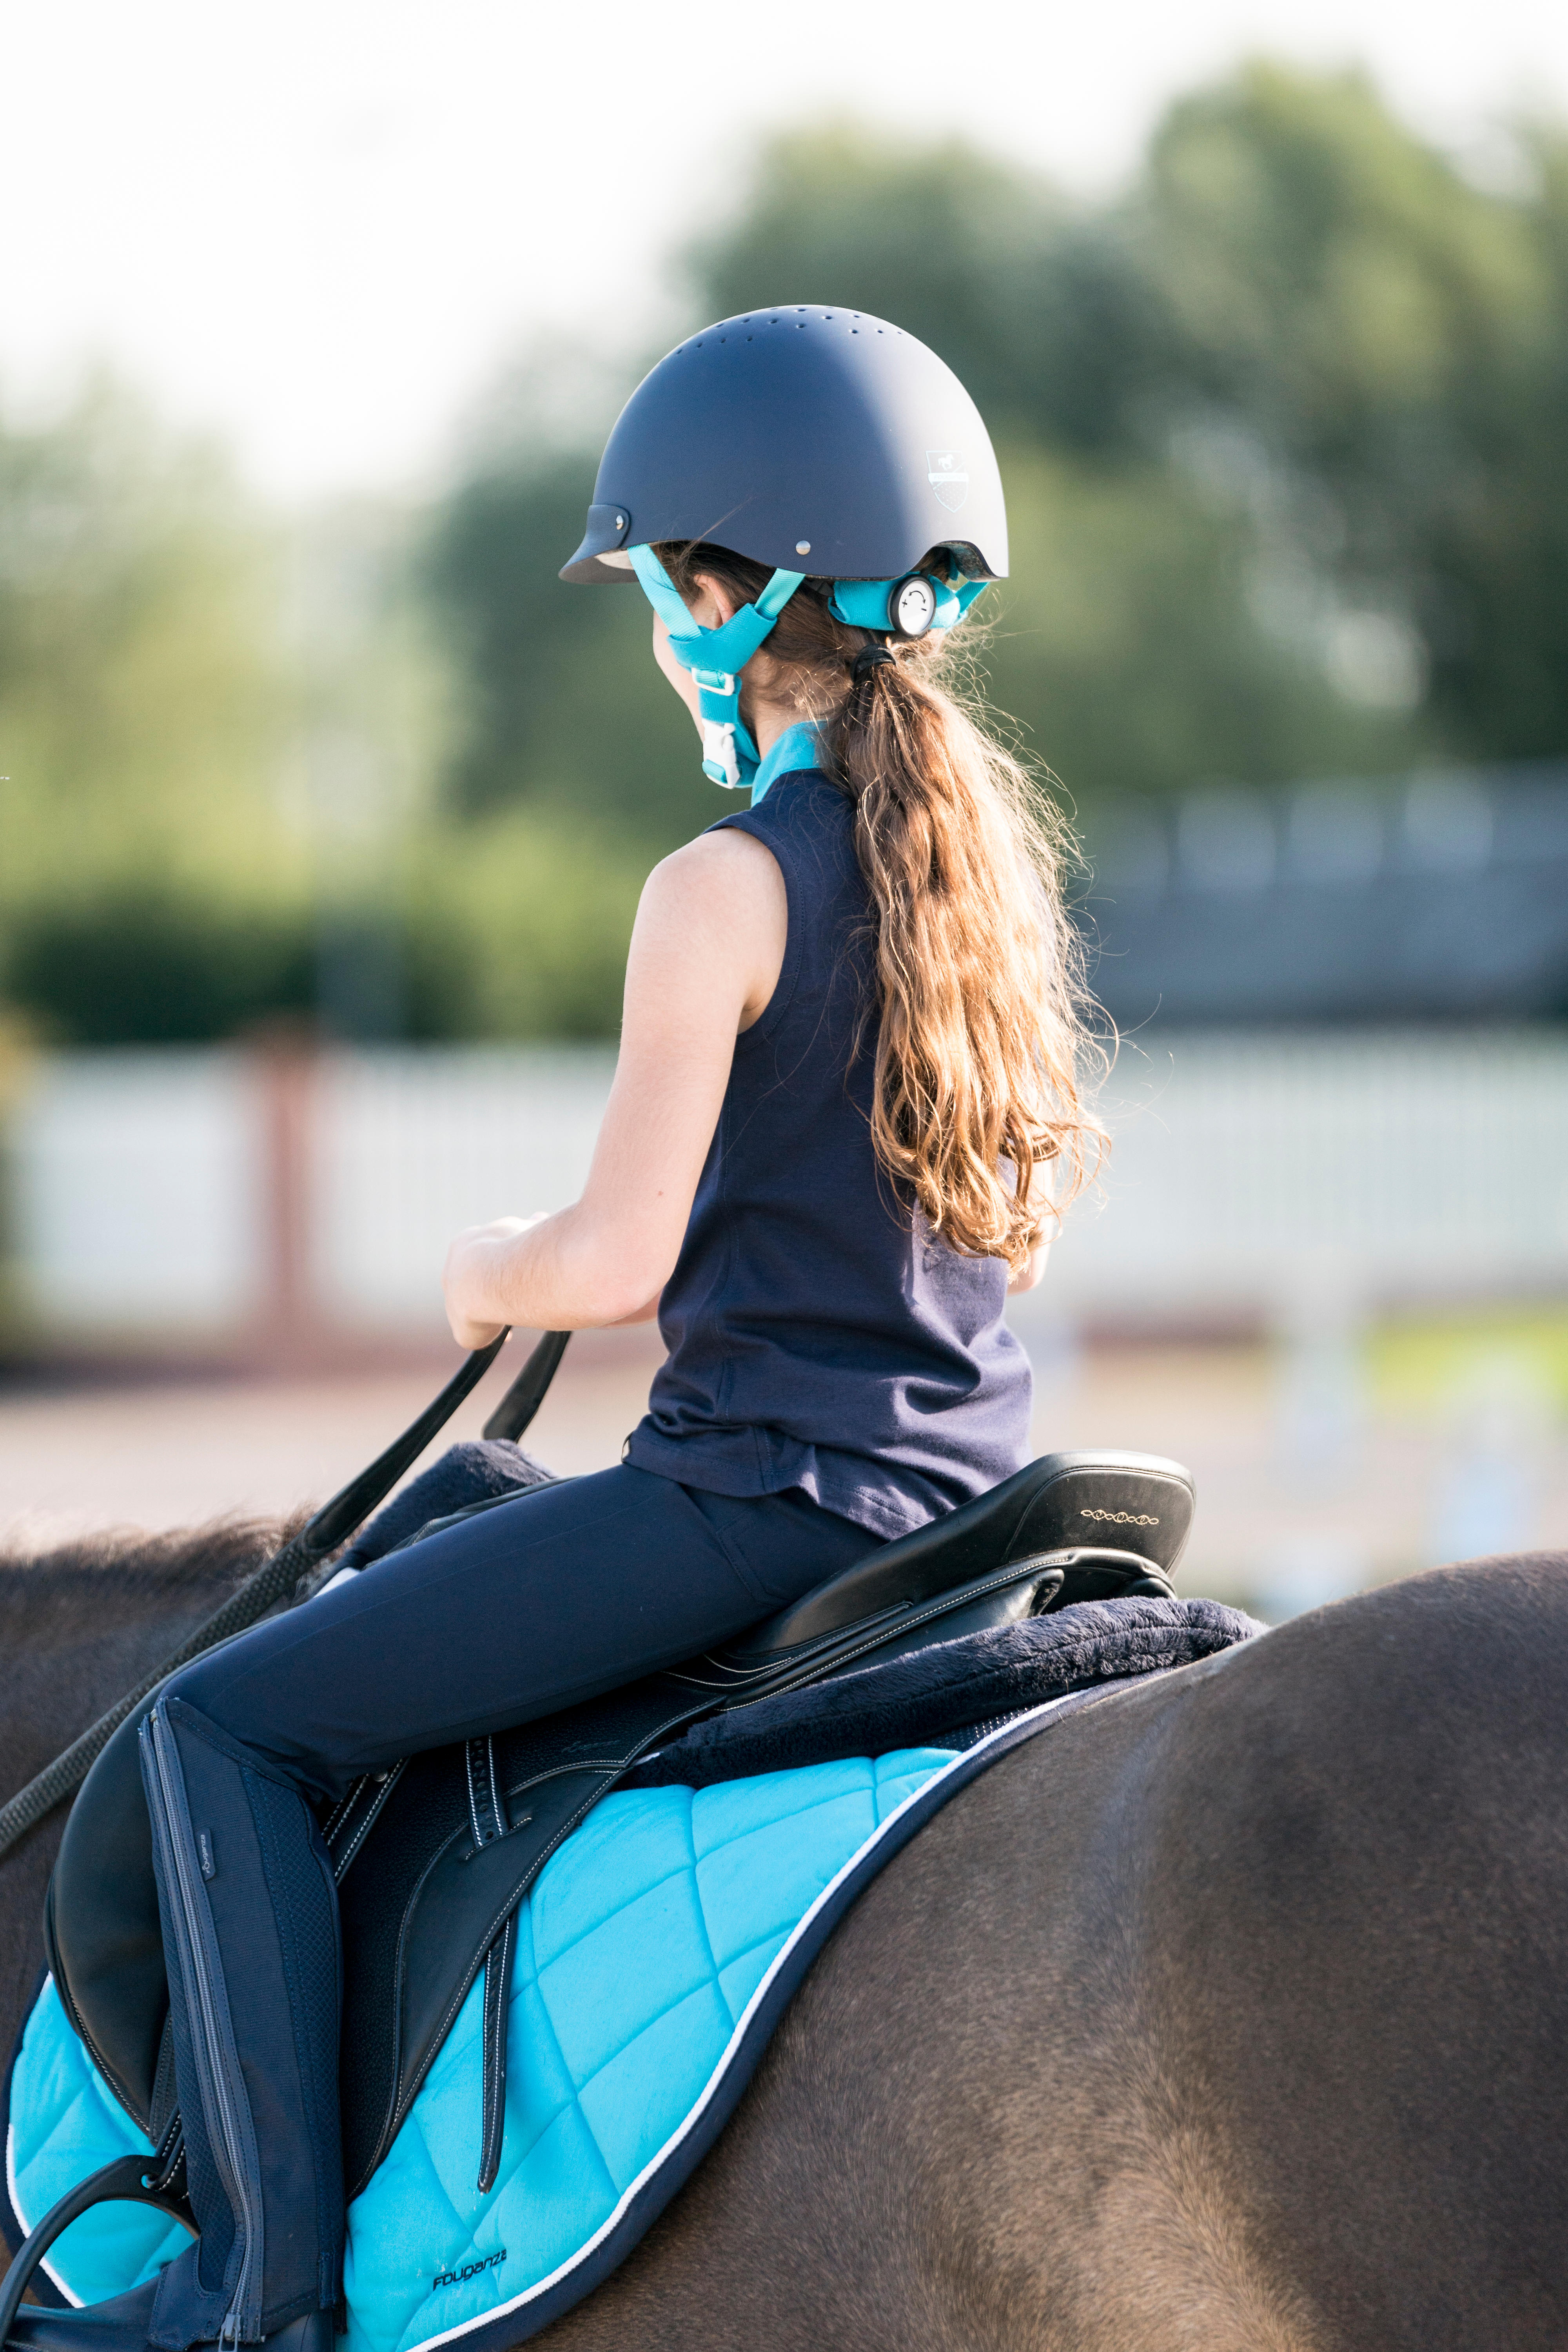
[(102, 1930)]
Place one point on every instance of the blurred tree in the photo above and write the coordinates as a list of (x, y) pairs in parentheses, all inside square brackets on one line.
[(1381, 346), (217, 741), (562, 704), (143, 695), (1128, 647), (1041, 308)]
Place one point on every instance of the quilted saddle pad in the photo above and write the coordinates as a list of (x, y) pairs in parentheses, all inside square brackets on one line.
[(653, 1958)]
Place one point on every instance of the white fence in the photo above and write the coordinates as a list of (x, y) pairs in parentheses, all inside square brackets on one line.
[(1249, 1172), (1250, 1176)]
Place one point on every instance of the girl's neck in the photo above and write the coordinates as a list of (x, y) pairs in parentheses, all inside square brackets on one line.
[(769, 721)]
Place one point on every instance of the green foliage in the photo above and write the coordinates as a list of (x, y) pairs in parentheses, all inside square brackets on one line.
[(142, 705), (563, 707), (147, 964), (1039, 308), (1126, 646), (1391, 343), (208, 826), (542, 908), (1281, 428), (515, 928)]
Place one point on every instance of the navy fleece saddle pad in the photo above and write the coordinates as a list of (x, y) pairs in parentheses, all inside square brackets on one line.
[(654, 1956)]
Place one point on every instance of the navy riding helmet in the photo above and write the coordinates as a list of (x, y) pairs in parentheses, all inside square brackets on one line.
[(825, 444)]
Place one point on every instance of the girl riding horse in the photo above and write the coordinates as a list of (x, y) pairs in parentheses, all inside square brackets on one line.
[(845, 1117)]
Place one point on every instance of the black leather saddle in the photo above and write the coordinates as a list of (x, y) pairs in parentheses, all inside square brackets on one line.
[(433, 1856)]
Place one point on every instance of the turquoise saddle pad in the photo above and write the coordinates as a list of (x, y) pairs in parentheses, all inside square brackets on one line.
[(645, 1948)]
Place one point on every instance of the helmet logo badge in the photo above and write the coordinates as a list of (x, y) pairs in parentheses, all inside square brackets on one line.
[(945, 473)]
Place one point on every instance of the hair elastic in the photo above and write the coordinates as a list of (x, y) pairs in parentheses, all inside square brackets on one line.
[(869, 658)]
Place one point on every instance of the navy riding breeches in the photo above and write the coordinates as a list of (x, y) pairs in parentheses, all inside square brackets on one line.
[(544, 1599)]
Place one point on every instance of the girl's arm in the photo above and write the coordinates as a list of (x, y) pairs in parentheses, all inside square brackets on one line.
[(706, 952)]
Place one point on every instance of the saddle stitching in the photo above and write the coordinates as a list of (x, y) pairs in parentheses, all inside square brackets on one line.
[(493, 2052), (372, 1814), (485, 1809)]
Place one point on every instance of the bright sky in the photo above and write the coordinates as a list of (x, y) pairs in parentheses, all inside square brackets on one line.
[(322, 225)]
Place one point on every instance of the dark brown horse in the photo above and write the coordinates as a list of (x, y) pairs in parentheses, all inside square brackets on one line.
[(1230, 2015)]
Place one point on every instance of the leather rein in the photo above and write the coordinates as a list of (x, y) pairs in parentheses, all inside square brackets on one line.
[(278, 1578)]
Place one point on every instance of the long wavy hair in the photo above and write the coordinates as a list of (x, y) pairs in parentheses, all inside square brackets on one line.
[(980, 1113)]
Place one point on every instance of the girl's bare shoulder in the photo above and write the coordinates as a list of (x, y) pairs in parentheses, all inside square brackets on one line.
[(729, 875)]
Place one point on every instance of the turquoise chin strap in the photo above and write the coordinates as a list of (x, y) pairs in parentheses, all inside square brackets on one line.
[(715, 657)]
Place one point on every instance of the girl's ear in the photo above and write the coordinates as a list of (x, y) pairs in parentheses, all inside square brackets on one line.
[(713, 605)]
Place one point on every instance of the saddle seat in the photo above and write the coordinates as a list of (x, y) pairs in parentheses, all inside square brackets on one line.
[(1077, 1527)]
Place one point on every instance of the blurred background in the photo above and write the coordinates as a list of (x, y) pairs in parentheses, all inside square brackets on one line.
[(324, 805)]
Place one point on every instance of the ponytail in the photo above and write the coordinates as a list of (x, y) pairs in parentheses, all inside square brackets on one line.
[(980, 1033)]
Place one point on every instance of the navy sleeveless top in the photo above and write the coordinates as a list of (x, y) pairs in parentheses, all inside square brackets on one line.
[(818, 1337)]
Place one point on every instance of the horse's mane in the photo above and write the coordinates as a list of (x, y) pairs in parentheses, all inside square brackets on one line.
[(47, 1580)]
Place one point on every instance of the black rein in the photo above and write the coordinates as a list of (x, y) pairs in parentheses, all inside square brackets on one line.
[(279, 1577)]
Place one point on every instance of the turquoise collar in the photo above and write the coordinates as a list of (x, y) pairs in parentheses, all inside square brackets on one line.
[(798, 747)]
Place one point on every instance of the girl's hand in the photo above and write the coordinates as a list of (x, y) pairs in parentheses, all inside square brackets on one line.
[(474, 1279)]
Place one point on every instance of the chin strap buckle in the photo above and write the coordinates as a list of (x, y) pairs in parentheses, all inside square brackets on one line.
[(721, 765), (729, 756)]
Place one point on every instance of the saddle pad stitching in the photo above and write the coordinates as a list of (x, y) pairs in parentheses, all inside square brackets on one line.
[(876, 1784), (502, 2181), (720, 1973), (761, 1829), (696, 1865), (699, 1864), (670, 1878), (441, 2188), (707, 1984), (549, 2026), (665, 1879), (661, 2155), (873, 1786)]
